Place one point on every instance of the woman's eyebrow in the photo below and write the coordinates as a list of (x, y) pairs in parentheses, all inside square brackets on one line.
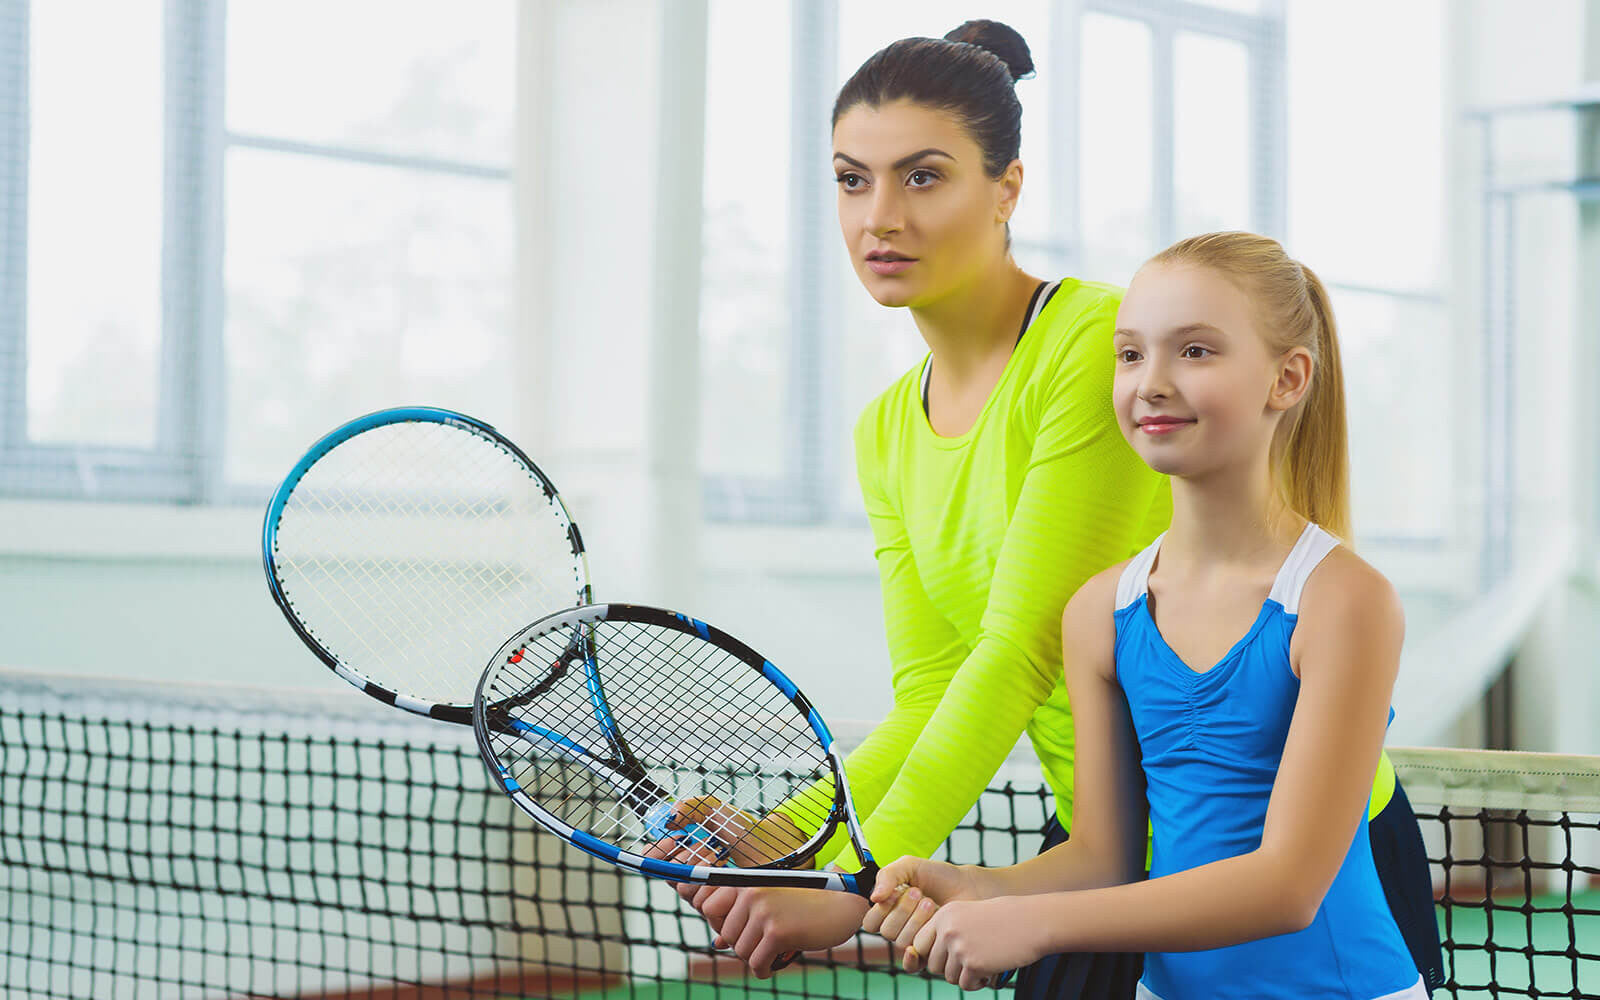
[(903, 162)]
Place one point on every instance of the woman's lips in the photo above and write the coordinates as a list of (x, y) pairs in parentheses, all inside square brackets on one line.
[(889, 265)]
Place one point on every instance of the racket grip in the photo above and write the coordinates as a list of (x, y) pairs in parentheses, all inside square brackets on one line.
[(784, 961)]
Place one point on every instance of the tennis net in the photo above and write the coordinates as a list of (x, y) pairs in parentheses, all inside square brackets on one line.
[(216, 842)]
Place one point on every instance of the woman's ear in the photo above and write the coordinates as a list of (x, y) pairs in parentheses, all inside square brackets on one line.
[(1293, 381), (1010, 186)]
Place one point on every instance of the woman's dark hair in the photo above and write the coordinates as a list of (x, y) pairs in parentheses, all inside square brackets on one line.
[(971, 73)]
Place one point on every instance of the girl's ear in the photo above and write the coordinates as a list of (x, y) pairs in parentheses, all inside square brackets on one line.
[(1293, 381), (1010, 189)]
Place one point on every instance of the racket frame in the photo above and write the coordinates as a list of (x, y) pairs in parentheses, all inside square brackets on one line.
[(779, 872), (460, 713)]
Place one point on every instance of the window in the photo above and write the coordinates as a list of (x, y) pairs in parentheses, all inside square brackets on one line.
[(244, 242), (1365, 180)]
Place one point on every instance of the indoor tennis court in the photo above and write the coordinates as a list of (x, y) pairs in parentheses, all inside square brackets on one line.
[(602, 240)]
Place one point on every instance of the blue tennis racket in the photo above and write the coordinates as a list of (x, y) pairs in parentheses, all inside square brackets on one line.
[(627, 730)]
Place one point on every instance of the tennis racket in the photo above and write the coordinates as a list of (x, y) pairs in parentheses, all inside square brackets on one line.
[(621, 728), (405, 538)]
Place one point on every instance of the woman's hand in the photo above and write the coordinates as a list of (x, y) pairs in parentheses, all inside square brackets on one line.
[(745, 841), (762, 924), (969, 943)]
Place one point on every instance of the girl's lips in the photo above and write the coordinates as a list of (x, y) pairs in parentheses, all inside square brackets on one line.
[(879, 265), (1163, 426)]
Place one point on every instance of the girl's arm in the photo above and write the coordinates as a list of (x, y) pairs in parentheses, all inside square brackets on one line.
[(1348, 640)]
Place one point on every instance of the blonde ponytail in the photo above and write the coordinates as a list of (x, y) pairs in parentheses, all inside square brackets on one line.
[(1311, 452)]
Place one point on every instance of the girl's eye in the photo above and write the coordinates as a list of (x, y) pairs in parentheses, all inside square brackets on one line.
[(851, 182), (1127, 355), (922, 178), (1195, 351)]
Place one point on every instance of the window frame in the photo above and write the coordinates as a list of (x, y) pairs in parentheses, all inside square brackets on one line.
[(185, 465)]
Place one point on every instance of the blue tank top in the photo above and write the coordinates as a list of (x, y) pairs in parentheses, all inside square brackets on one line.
[(1211, 745)]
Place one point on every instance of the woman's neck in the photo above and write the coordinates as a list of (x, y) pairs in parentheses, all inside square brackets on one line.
[(1232, 516), (967, 328)]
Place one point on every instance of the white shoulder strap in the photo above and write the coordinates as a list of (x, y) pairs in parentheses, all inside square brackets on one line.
[(1136, 575), (1313, 546)]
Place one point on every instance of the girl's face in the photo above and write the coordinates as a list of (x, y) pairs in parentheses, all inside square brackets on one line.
[(1196, 387), (920, 218)]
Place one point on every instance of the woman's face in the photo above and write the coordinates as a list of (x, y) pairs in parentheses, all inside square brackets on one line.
[(1196, 387), (920, 218)]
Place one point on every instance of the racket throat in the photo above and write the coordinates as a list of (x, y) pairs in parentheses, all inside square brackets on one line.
[(643, 797), (863, 881)]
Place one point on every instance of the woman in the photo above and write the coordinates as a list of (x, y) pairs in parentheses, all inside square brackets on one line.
[(994, 475)]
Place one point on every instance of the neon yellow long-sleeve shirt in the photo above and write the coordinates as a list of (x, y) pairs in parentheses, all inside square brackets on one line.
[(980, 540)]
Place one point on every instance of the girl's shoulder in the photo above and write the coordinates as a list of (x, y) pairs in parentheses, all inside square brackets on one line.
[(1096, 599), (1088, 629), (1347, 602), (1344, 584)]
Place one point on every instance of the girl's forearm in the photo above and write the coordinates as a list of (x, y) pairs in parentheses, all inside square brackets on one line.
[(1224, 903), (1070, 866)]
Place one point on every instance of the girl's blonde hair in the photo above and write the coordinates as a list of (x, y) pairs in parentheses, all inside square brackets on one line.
[(1310, 451)]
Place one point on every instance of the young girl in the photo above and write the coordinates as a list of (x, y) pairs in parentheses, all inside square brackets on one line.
[(1235, 676)]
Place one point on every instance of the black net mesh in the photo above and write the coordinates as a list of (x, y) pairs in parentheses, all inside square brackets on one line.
[(222, 850)]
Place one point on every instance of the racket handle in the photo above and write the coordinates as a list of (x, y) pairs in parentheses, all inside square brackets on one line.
[(784, 961)]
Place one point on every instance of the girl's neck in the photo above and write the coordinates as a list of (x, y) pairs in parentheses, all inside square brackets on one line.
[(968, 327), (1229, 517)]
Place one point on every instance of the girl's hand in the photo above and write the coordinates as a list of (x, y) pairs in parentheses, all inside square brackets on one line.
[(939, 881), (970, 943), (908, 893)]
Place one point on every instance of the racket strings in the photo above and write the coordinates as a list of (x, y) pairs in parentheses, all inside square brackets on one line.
[(407, 545), (745, 699), (699, 721)]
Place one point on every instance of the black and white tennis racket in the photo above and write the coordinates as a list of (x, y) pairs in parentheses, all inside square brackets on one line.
[(623, 728), (405, 541)]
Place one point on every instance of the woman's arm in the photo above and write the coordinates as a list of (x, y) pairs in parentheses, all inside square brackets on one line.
[(1083, 500), (1111, 818), (1349, 635), (924, 649)]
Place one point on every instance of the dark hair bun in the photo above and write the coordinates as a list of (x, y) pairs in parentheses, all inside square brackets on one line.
[(1000, 39)]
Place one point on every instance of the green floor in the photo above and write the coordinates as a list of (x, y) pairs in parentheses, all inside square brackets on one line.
[(791, 984), (1514, 972)]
